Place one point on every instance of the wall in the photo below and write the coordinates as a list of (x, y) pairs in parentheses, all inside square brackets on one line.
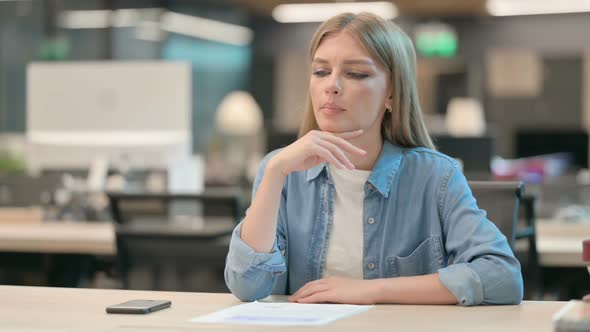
[(560, 40), (21, 33), (217, 68)]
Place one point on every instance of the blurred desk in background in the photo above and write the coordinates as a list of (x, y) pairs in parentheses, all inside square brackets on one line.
[(68, 254), (559, 244), (92, 238), (63, 254)]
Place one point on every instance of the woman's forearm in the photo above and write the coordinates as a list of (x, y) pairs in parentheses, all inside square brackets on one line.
[(260, 224), (426, 289)]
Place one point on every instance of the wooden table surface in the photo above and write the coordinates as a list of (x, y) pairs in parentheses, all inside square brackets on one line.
[(71, 309)]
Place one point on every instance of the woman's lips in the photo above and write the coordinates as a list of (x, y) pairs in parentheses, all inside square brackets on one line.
[(331, 109)]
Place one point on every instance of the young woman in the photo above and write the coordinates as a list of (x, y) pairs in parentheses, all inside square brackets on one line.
[(361, 208)]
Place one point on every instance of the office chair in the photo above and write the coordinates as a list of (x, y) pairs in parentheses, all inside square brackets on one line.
[(503, 200), (500, 199), (157, 251), (529, 259), (129, 207)]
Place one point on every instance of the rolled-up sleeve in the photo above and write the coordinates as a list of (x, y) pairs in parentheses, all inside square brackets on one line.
[(484, 269), (251, 275)]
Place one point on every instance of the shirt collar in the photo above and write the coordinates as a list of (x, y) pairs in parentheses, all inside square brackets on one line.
[(313, 172), (382, 174)]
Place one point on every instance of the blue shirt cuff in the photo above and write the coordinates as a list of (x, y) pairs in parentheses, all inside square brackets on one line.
[(463, 282), (242, 258)]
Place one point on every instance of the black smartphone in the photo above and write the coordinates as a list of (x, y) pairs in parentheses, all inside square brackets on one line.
[(138, 306)]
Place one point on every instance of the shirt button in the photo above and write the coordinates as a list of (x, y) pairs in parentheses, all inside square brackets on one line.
[(371, 266), (371, 221), (369, 186)]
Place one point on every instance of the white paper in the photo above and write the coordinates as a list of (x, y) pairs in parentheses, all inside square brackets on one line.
[(284, 314)]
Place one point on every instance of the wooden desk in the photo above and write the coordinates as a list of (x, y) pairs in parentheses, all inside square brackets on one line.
[(559, 244), (71, 309), (93, 238)]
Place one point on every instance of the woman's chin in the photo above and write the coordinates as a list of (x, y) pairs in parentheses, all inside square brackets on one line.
[(334, 127)]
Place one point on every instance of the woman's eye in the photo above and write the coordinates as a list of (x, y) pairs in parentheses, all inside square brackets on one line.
[(321, 73), (358, 76)]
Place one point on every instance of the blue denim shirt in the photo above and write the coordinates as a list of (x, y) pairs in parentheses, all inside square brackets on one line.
[(425, 220)]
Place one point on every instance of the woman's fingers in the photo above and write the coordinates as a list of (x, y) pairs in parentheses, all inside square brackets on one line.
[(297, 294), (318, 146), (308, 291), (342, 143), (326, 155), (319, 297), (307, 286), (336, 152)]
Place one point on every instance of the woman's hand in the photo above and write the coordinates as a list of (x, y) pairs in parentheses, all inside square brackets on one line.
[(339, 290), (315, 148)]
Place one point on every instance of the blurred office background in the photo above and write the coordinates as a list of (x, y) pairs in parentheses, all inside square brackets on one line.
[(130, 131)]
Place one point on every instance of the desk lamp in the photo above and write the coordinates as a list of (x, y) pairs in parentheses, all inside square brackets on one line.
[(465, 117), (239, 118)]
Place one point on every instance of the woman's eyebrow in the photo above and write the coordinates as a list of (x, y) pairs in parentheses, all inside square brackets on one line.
[(347, 62)]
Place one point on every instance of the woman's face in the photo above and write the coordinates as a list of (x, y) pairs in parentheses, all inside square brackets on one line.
[(348, 90)]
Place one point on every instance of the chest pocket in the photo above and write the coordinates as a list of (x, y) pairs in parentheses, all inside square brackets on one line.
[(427, 258)]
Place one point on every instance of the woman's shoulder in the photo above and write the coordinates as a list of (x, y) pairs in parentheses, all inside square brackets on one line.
[(426, 157)]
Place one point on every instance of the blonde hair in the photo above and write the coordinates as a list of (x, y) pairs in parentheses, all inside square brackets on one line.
[(392, 49)]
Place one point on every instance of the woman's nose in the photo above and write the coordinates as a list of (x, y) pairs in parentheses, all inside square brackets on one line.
[(334, 87)]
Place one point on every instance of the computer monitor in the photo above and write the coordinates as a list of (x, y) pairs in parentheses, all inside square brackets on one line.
[(475, 153), (138, 113), (541, 142)]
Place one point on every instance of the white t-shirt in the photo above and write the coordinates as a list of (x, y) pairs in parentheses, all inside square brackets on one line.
[(345, 244)]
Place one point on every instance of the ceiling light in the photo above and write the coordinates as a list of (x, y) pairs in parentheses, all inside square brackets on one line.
[(536, 7), (319, 12), (150, 20), (124, 18), (85, 19), (199, 27)]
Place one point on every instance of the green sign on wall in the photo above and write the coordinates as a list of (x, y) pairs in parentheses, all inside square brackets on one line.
[(436, 39)]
